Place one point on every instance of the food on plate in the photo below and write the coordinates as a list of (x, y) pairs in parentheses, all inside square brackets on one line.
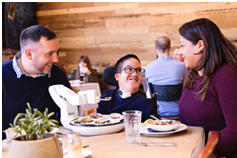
[(95, 116), (163, 125), (102, 122), (116, 116), (96, 119), (164, 122), (83, 121)]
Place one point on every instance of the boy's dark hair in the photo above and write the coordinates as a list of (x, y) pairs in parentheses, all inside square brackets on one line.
[(119, 64)]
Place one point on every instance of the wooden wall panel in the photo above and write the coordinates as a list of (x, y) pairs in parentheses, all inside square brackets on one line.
[(105, 31)]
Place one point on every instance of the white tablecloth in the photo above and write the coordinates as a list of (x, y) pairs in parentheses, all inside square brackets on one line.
[(190, 143)]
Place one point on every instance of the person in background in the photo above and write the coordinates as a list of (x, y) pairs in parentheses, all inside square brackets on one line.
[(165, 71), (27, 77), (210, 88), (128, 97), (84, 71), (177, 55)]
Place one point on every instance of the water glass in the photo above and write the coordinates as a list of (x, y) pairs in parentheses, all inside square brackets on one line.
[(132, 124), (62, 138), (74, 145)]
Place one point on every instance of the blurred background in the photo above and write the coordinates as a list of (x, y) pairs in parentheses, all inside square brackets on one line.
[(105, 31)]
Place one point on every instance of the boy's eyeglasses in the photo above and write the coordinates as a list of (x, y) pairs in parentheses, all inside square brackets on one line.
[(130, 70)]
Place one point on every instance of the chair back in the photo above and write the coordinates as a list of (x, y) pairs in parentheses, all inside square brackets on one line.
[(166, 92), (208, 151), (108, 76)]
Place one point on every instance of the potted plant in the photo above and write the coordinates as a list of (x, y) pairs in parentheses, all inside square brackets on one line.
[(34, 140)]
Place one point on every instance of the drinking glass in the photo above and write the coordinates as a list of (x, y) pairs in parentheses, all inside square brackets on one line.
[(82, 76), (74, 145), (62, 138), (132, 124)]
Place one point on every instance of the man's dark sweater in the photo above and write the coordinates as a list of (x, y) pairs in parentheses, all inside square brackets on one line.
[(16, 92)]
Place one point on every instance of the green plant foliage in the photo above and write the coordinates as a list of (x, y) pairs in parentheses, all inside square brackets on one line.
[(33, 122)]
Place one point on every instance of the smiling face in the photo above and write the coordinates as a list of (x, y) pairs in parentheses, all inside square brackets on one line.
[(129, 83), (191, 52), (44, 55)]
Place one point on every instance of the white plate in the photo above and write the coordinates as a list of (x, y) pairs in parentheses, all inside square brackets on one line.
[(164, 128), (76, 82), (144, 131), (90, 129), (85, 153), (94, 122), (97, 130)]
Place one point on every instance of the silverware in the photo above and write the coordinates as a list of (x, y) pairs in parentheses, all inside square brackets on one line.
[(155, 117), (161, 144), (85, 146), (101, 99), (61, 133)]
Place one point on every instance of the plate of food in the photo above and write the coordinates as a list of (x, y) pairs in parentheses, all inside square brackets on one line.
[(96, 116), (163, 125), (147, 131), (89, 122), (88, 126), (116, 116)]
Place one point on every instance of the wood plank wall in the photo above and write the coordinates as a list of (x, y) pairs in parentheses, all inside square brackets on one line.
[(105, 31)]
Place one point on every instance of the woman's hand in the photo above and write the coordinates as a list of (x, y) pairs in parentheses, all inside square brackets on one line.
[(85, 70)]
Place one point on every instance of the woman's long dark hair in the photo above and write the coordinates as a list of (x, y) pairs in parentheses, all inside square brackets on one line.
[(217, 51), (86, 60)]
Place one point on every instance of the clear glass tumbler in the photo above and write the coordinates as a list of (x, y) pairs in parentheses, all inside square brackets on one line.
[(74, 145), (132, 125)]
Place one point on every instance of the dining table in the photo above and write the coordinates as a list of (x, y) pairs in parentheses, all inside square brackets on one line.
[(189, 143)]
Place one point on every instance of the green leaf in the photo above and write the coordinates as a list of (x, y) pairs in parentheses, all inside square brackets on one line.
[(51, 114), (28, 113), (33, 122), (55, 121), (29, 107), (46, 113)]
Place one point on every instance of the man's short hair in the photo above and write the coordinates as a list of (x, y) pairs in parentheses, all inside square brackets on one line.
[(34, 33), (162, 43), (119, 64)]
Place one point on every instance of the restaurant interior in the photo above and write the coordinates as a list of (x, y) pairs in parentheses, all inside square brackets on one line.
[(106, 31)]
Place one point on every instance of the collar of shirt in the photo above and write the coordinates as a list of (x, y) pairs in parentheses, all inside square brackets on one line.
[(18, 69), (164, 58)]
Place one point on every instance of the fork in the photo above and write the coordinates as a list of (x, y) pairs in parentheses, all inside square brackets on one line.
[(161, 144)]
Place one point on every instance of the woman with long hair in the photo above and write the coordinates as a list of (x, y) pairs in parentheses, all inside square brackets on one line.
[(209, 97), (84, 71)]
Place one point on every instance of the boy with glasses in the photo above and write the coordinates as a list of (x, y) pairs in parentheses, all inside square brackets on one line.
[(128, 73)]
